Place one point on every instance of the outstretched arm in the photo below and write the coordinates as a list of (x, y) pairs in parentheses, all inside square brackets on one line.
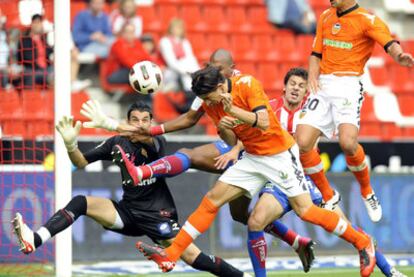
[(70, 134), (396, 52)]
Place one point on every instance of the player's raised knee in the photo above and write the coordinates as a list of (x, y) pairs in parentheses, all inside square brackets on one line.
[(304, 143)]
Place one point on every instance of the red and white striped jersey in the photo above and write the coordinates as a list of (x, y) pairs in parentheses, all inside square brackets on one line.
[(288, 119)]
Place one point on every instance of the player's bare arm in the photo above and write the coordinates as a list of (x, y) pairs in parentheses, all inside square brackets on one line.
[(222, 161), (228, 136), (259, 119), (397, 53), (69, 133), (184, 121), (313, 78)]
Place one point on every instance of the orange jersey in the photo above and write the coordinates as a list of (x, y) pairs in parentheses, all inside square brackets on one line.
[(347, 41), (247, 93)]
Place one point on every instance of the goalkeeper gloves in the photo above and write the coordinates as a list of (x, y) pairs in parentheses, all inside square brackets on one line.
[(93, 110), (69, 132)]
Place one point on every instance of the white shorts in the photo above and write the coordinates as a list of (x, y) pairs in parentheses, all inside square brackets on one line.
[(339, 101), (253, 171)]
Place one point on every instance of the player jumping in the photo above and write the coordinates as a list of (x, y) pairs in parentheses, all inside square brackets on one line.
[(345, 37), (240, 104)]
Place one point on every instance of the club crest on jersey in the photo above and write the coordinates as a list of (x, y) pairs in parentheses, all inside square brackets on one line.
[(336, 28), (302, 114)]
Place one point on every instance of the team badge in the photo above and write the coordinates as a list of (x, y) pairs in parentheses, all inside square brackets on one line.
[(302, 114), (336, 28)]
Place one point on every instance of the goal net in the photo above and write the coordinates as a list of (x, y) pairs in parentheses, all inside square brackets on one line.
[(27, 127)]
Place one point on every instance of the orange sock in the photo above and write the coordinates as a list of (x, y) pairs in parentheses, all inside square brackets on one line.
[(332, 223), (312, 165), (359, 168), (198, 222)]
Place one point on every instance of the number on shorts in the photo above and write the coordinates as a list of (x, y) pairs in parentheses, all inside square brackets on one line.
[(312, 104)]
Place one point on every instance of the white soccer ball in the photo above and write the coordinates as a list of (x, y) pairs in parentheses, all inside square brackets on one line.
[(145, 77)]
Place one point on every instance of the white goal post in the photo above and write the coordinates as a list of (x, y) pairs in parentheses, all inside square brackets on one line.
[(63, 166)]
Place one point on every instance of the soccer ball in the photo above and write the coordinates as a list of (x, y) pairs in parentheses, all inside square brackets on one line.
[(145, 77)]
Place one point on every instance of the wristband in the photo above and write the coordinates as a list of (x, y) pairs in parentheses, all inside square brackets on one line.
[(157, 130), (255, 121)]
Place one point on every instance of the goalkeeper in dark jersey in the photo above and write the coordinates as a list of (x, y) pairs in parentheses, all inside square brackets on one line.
[(148, 209)]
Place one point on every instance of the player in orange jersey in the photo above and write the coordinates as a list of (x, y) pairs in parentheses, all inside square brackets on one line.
[(241, 110), (345, 37)]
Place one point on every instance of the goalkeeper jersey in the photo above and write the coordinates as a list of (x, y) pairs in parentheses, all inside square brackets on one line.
[(151, 195)]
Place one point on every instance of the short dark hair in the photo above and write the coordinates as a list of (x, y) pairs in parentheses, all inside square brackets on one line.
[(296, 71), (139, 106), (206, 80), (37, 16)]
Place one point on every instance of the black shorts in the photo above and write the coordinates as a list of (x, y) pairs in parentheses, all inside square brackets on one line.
[(158, 226)]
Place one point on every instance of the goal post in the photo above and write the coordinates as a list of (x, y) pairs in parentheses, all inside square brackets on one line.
[(63, 166)]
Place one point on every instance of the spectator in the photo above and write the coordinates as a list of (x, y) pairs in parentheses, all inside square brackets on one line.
[(34, 55), (295, 15), (149, 45), (4, 53), (77, 85), (126, 13), (178, 55), (92, 31), (125, 52)]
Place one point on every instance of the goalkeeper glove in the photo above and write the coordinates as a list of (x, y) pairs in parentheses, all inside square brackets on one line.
[(69, 132), (93, 110)]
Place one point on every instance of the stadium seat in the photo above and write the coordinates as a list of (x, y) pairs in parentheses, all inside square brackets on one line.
[(236, 16), (151, 22), (406, 103), (304, 44), (166, 13), (217, 40), (367, 111), (193, 18), (213, 15), (269, 74), (241, 47), (264, 48), (75, 8), (78, 99), (257, 16), (370, 130), (200, 48), (287, 47), (10, 105), (162, 108), (401, 79), (246, 68), (379, 75)]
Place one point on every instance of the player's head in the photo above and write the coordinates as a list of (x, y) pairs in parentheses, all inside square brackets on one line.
[(96, 6), (37, 24), (128, 32), (209, 84), (140, 115), (127, 8), (176, 28), (222, 59), (295, 85), (148, 43), (341, 3)]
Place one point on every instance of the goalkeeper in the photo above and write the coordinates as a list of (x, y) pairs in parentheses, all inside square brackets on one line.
[(145, 210)]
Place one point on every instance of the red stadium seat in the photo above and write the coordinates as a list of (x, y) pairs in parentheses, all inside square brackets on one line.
[(406, 103), (241, 47), (198, 42), (162, 108), (75, 8), (257, 15), (265, 49), (237, 17), (166, 13), (402, 79), (367, 111), (213, 15), (193, 18), (370, 130), (246, 68), (286, 45), (151, 22), (390, 131), (304, 43), (379, 76), (270, 76), (10, 105), (217, 40), (78, 99)]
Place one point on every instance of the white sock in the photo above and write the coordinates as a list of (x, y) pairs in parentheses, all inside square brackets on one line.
[(44, 234)]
